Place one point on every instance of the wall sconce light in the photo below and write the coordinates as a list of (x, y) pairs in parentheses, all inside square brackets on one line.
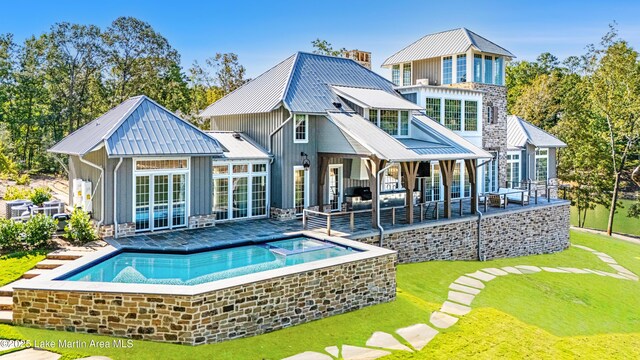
[(306, 163)]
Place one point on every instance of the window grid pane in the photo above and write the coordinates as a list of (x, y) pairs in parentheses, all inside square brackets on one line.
[(161, 164), (389, 121), (447, 69), (406, 74), (240, 168), (373, 116), (452, 114), (259, 196), (433, 108), (220, 169), (301, 127), (488, 69), (499, 64), (299, 190), (160, 201), (404, 123), (221, 198), (461, 68), (142, 202), (455, 185), (467, 183), (395, 74), (259, 168), (179, 201), (477, 68), (471, 116), (240, 198)]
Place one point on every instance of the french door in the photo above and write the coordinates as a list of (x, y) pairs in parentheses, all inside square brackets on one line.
[(300, 189), (335, 187), (160, 201)]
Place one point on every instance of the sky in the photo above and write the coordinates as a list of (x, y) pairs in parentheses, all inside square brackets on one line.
[(265, 33)]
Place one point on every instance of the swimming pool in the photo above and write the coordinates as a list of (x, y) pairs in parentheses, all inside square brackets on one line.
[(208, 266)]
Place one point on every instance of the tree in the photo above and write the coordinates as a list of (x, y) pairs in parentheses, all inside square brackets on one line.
[(614, 92), (323, 47)]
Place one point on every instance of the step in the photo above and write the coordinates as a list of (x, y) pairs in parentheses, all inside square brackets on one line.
[(33, 273), (6, 317), (51, 263), (7, 290), (6, 302), (64, 254)]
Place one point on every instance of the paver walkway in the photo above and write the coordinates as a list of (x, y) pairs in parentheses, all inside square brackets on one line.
[(461, 295)]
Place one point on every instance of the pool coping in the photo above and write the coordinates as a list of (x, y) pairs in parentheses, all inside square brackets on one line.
[(47, 281)]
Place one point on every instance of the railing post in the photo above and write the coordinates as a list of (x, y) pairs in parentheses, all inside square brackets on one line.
[(421, 212), (437, 211), (329, 224), (536, 193), (393, 216), (522, 198), (352, 221), (460, 207)]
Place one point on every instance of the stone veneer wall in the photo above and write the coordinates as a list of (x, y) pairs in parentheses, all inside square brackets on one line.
[(282, 214), (235, 312), (494, 136), (539, 230), (200, 221)]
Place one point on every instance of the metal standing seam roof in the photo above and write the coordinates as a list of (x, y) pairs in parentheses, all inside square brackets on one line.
[(375, 98), (445, 43), (386, 147), (520, 132), (139, 127), (238, 146), (302, 83)]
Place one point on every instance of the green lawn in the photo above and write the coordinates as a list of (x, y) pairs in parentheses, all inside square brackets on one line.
[(543, 315), (597, 219), (13, 266)]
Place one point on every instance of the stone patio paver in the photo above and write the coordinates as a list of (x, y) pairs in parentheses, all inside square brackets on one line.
[(553, 270), (31, 354), (461, 298), (574, 270), (481, 276), (621, 269), (528, 269), (463, 288), (442, 320), (350, 352), (455, 309), (385, 340), (418, 335), (607, 259), (465, 280), (583, 247), (512, 270), (333, 350), (594, 272), (495, 271), (308, 355)]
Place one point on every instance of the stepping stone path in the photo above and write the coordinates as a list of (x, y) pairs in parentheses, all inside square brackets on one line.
[(461, 294), (31, 354), (385, 340)]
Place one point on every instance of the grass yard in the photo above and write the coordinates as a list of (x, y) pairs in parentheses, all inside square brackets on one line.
[(598, 217), (13, 266), (542, 315)]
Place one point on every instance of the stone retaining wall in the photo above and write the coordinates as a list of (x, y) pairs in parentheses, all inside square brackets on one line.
[(529, 231), (235, 312)]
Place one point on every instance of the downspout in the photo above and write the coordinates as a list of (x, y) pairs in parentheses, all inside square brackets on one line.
[(380, 228), (115, 193), (101, 181), (272, 134)]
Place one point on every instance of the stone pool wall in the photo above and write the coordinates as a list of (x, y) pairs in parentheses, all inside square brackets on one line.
[(539, 230), (215, 316)]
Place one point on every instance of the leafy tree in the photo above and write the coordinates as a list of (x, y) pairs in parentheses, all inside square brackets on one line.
[(323, 47), (614, 93)]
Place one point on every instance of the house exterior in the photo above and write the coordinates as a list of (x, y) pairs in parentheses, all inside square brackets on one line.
[(331, 125), (531, 153)]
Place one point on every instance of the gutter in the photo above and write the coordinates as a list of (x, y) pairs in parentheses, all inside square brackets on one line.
[(115, 192), (380, 228), (100, 180)]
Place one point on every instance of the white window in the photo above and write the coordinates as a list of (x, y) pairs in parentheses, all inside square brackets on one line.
[(406, 74), (301, 128), (393, 122), (239, 189), (461, 68), (542, 164), (490, 174), (395, 75), (513, 169)]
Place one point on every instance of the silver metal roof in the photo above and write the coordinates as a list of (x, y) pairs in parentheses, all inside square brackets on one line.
[(238, 146), (302, 83), (375, 98), (139, 127), (260, 95), (520, 132), (444, 43), (438, 146)]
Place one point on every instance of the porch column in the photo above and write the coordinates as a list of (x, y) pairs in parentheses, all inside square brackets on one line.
[(323, 163), (374, 165), (470, 164), (446, 169), (410, 170)]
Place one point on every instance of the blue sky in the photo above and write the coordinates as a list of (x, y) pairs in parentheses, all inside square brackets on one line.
[(264, 33)]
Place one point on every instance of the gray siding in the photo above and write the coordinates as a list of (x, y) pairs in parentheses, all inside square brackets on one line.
[(79, 170), (426, 69), (124, 197), (553, 171), (257, 126), (201, 191)]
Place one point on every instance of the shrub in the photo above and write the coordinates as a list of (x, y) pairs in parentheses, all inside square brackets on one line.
[(39, 229), (40, 195), (22, 179), (80, 229), (11, 234), (17, 193)]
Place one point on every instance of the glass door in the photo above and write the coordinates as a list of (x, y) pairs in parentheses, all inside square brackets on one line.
[(179, 200), (300, 191), (335, 187), (160, 201), (142, 213)]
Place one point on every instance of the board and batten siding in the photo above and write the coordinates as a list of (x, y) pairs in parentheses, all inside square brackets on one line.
[(80, 170), (201, 190), (426, 69)]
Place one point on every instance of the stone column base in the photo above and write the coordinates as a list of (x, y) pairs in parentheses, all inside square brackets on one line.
[(282, 214), (200, 221)]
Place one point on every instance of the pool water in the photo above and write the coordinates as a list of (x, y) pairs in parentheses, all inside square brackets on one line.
[(198, 268)]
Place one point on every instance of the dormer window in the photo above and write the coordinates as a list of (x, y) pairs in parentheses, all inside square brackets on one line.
[(406, 74), (447, 70), (393, 122), (395, 75), (461, 68), (301, 129), (477, 68)]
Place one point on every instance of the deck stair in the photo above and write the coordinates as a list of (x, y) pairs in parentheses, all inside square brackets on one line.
[(48, 264)]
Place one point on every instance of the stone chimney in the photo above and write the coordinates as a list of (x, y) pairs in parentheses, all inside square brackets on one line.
[(362, 57)]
